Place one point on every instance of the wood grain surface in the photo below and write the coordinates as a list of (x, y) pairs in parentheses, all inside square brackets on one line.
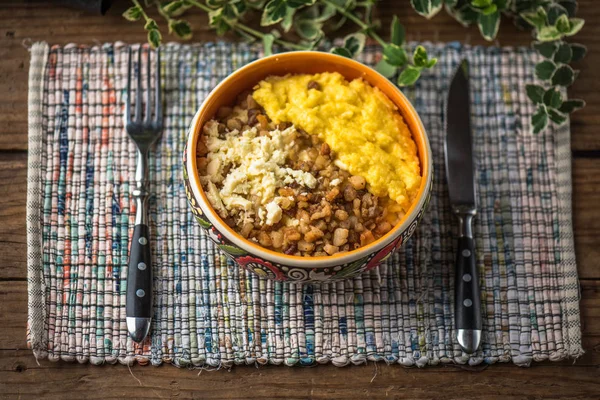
[(21, 377)]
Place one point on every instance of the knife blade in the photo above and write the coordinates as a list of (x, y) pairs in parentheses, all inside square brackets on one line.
[(458, 149)]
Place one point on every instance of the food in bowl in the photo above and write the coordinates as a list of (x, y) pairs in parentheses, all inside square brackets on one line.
[(309, 164)]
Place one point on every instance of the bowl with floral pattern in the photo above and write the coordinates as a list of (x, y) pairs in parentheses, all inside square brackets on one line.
[(277, 265)]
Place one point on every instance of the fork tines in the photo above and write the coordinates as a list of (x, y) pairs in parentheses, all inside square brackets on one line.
[(146, 119)]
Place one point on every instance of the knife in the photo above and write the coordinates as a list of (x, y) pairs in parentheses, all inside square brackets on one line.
[(458, 150)]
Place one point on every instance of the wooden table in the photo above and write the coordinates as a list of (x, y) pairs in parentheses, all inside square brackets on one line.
[(22, 377)]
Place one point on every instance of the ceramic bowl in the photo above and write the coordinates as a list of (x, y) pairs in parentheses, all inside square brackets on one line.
[(276, 265)]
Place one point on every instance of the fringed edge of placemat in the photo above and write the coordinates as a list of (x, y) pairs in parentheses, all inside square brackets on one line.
[(572, 320), (35, 282)]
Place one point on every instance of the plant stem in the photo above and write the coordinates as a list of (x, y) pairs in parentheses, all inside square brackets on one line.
[(241, 27), (357, 21), (137, 4)]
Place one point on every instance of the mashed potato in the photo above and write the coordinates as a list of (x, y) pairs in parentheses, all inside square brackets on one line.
[(357, 121)]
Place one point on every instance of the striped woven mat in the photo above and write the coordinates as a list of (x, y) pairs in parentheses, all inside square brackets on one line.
[(211, 313)]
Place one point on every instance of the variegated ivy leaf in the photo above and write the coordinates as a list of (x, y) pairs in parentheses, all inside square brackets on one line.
[(154, 38), (570, 6), (133, 13), (427, 8), (488, 25), (546, 49), (564, 54), (579, 51), (554, 11), (545, 69), (274, 12), (537, 18), (563, 76), (175, 8), (557, 117), (465, 14), (341, 51), (539, 120), (151, 25), (575, 25), (300, 3), (180, 28), (568, 106), (309, 29), (420, 57), (552, 98), (219, 23), (354, 43), (535, 93)]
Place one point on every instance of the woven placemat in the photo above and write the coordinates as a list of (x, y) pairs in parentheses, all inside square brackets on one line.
[(209, 312)]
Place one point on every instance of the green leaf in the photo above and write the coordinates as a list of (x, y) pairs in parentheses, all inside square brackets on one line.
[(490, 10), (151, 25), (308, 29), (579, 51), (563, 76), (427, 8), (488, 25), (409, 76), (554, 11), (535, 93), (575, 25), (481, 3), (180, 28), (562, 24), (548, 33), (547, 49), (395, 55), (341, 51), (175, 8), (431, 62), (564, 54), (570, 6), (268, 40), (217, 21), (229, 12), (502, 4), (300, 3), (133, 13), (154, 38), (568, 106), (398, 33), (216, 3), (288, 20), (556, 117), (274, 12), (536, 18), (539, 120), (420, 56), (552, 98), (355, 42), (385, 69), (545, 69), (465, 15)]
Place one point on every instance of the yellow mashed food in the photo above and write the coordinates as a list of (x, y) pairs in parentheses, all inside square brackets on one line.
[(357, 121)]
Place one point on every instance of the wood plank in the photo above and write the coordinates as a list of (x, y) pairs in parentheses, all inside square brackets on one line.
[(58, 381), (36, 20), (13, 191)]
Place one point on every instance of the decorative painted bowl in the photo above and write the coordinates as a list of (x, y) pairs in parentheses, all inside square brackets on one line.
[(279, 266)]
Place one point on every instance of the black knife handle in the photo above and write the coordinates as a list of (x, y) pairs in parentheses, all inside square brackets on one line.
[(139, 276), (467, 303)]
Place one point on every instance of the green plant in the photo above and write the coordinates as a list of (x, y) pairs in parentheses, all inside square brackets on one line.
[(551, 22)]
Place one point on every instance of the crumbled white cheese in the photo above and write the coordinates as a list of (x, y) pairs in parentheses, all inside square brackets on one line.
[(335, 182), (250, 168), (274, 213)]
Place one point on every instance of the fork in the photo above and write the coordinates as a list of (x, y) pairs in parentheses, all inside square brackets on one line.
[(144, 131)]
